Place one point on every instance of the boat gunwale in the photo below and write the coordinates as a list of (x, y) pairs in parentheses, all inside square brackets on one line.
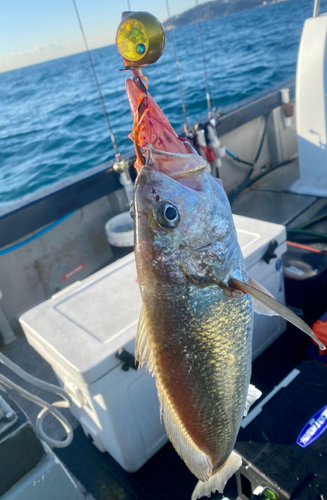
[(48, 205)]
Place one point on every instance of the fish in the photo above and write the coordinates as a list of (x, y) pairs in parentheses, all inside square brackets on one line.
[(198, 302)]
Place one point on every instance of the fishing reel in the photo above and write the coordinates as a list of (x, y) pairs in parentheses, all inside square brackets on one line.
[(140, 39), (120, 165)]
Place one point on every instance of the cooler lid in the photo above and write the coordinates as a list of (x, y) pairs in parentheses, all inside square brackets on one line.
[(82, 327), (255, 235)]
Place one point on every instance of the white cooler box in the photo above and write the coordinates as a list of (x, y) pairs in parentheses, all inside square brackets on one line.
[(80, 330)]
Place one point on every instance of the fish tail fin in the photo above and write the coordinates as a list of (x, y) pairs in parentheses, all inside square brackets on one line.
[(219, 478)]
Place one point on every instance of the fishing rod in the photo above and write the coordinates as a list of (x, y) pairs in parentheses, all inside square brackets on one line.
[(207, 136), (177, 72), (316, 8), (204, 63), (121, 166), (117, 154), (128, 5)]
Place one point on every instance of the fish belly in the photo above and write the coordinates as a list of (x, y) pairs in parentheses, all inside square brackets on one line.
[(201, 351)]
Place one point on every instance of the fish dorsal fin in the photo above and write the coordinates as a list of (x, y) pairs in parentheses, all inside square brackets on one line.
[(252, 396), (197, 461), (143, 353), (271, 303)]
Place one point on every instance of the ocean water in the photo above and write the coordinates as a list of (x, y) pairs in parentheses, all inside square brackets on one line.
[(51, 120)]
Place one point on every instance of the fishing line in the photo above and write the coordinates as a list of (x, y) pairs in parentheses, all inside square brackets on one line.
[(46, 407), (248, 182), (235, 192), (96, 81), (204, 62), (177, 71)]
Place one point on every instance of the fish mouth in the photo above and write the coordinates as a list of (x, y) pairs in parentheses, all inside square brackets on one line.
[(150, 153), (189, 179), (150, 149)]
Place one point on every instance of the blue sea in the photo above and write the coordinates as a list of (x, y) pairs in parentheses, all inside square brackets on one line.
[(51, 121)]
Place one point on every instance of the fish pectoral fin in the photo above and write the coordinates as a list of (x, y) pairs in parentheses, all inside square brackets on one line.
[(272, 304), (143, 353), (253, 395), (219, 478), (258, 306)]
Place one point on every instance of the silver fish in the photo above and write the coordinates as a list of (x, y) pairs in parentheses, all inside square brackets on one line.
[(192, 335), (195, 329)]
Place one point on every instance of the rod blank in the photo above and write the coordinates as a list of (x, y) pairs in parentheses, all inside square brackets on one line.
[(316, 8)]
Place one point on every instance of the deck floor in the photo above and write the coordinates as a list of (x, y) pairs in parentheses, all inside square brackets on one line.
[(271, 200)]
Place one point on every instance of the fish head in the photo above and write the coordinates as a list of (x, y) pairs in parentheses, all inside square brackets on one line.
[(184, 228)]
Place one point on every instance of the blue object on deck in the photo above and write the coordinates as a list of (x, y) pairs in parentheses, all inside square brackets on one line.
[(315, 426)]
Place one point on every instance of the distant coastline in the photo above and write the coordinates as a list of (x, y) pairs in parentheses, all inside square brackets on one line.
[(217, 8)]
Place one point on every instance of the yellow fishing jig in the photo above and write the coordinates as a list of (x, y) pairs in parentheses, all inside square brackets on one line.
[(140, 39)]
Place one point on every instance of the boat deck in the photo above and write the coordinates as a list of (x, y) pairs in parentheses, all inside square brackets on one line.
[(165, 477), (271, 200)]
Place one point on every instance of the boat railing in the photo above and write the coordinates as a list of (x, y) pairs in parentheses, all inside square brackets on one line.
[(45, 207)]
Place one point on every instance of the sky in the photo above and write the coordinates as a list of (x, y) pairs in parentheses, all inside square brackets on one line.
[(33, 31)]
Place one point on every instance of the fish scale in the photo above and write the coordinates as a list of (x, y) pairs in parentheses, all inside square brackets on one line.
[(207, 379)]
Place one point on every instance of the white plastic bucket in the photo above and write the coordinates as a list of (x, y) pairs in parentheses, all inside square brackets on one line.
[(120, 231)]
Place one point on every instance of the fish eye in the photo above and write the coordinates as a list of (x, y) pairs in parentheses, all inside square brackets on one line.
[(167, 215)]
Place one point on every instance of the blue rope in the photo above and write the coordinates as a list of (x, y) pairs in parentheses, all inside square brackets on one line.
[(40, 233), (236, 158)]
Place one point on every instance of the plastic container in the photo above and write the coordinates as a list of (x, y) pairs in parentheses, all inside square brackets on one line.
[(305, 271), (255, 237), (120, 234), (81, 330)]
